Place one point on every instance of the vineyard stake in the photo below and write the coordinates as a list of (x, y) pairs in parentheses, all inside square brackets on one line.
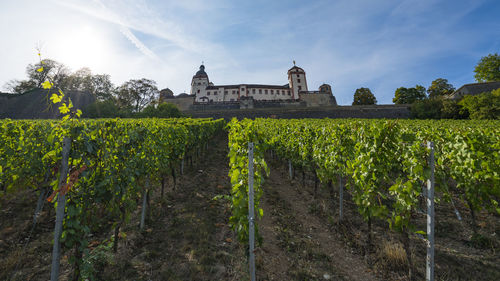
[(290, 169), (182, 166), (251, 226), (341, 198), (144, 201), (429, 273), (61, 202)]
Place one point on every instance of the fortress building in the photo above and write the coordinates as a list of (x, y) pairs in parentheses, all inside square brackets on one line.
[(205, 91)]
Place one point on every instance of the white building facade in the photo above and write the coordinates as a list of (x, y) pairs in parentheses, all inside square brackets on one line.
[(206, 92)]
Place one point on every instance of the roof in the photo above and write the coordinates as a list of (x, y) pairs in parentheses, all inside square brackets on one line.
[(201, 73), (296, 69), (475, 89), (248, 86)]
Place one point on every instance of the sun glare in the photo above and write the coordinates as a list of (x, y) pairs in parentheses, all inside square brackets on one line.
[(83, 47)]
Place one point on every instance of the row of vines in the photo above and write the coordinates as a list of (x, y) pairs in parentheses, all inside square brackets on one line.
[(383, 163), (113, 164)]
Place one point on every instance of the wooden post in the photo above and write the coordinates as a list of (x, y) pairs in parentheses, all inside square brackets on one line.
[(60, 212), (341, 199), (144, 205), (251, 225), (429, 273)]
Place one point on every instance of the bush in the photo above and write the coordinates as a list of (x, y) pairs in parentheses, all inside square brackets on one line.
[(451, 109), (164, 110), (426, 109), (483, 106), (101, 109)]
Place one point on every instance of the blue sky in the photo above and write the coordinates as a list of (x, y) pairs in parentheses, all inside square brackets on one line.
[(382, 44)]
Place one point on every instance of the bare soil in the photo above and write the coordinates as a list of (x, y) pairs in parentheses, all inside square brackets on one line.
[(187, 236)]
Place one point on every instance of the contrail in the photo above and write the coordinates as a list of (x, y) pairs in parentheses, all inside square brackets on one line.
[(112, 17), (130, 36)]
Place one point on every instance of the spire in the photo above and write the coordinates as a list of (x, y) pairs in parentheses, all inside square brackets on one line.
[(293, 62)]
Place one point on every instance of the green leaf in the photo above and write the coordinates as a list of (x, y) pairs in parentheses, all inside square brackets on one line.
[(55, 98), (47, 84)]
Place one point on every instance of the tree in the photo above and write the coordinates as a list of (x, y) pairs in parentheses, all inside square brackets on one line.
[(451, 109), (19, 86), (37, 74), (483, 106), (409, 95), (488, 69), (137, 94), (80, 80), (426, 109), (102, 87), (99, 85), (364, 96), (163, 110), (102, 109), (439, 88), (50, 69)]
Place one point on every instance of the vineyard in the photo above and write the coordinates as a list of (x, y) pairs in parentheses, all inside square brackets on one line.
[(357, 182)]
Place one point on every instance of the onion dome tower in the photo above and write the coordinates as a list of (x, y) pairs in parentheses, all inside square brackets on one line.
[(199, 82), (297, 80)]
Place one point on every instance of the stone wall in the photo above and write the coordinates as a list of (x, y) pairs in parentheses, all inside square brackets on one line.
[(35, 104), (183, 103), (370, 111), (317, 99)]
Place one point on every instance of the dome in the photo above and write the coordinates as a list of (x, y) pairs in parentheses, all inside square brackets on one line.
[(325, 88), (201, 72)]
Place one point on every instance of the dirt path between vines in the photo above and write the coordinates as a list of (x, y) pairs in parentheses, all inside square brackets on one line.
[(297, 244)]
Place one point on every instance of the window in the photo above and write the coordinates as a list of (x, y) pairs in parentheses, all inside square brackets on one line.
[(265, 92), (234, 92), (283, 92), (300, 88), (225, 92), (198, 91), (298, 80), (260, 91), (199, 83), (208, 93), (253, 91), (289, 93), (272, 92), (277, 92), (215, 93)]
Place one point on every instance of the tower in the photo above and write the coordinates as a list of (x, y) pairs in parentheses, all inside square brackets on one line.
[(297, 80), (199, 84)]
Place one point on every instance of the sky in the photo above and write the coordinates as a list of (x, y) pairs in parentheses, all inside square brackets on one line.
[(349, 44)]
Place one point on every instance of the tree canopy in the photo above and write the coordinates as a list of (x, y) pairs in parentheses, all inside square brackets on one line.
[(483, 106), (439, 88), (99, 85), (488, 68), (37, 74), (81, 80), (409, 95), (364, 96), (137, 94)]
